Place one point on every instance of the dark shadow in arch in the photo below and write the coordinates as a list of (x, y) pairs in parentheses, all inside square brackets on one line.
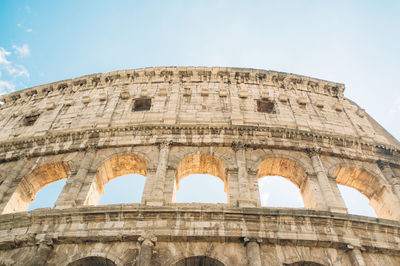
[(89, 261), (199, 261), (303, 263)]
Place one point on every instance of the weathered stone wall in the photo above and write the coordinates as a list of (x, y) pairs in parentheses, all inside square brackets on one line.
[(167, 123)]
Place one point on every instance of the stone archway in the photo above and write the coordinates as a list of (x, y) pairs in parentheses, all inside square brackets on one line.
[(303, 263), (291, 170), (113, 168), (198, 261), (382, 200), (89, 261), (202, 164), (30, 185)]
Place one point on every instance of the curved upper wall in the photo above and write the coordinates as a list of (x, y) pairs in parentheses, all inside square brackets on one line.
[(187, 96)]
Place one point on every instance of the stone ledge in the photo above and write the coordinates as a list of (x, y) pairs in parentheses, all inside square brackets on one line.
[(86, 140), (199, 222)]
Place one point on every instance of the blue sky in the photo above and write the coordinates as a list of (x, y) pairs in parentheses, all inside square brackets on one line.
[(353, 42)]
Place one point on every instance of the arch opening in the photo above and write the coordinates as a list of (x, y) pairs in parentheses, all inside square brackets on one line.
[(93, 260), (199, 261), (380, 197), (32, 183), (303, 263), (130, 164), (277, 191), (47, 196), (124, 189), (201, 188), (202, 171), (356, 202), (276, 169)]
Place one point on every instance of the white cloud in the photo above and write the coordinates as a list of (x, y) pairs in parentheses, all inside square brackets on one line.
[(29, 30), (23, 50), (18, 70), (6, 87), (3, 54), (19, 25)]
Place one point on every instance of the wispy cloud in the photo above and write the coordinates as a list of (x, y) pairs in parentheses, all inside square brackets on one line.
[(6, 87), (11, 73), (3, 54), (22, 50), (29, 30), (18, 70)]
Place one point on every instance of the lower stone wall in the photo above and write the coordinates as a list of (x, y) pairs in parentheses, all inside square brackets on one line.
[(133, 234)]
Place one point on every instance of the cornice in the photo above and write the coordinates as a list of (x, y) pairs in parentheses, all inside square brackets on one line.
[(184, 75), (250, 136)]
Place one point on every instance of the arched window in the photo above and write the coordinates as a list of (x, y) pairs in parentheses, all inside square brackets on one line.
[(201, 173), (356, 202), (201, 188), (30, 185), (48, 195), (130, 164), (381, 199), (124, 189), (277, 191), (199, 260), (282, 182), (89, 261), (303, 263)]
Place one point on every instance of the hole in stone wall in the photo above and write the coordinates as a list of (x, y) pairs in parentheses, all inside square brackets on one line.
[(356, 202), (29, 120), (47, 196), (266, 106), (123, 189), (277, 191), (142, 105), (201, 188)]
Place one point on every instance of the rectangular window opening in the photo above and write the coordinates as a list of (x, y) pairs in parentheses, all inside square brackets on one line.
[(266, 106), (29, 120), (142, 105)]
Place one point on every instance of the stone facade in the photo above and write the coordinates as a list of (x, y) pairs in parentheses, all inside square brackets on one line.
[(169, 122)]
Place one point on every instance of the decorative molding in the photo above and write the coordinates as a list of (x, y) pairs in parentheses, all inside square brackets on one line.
[(181, 74), (251, 137)]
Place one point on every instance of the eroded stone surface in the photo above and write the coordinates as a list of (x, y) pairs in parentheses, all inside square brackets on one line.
[(166, 123)]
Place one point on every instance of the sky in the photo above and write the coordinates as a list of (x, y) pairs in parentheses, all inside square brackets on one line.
[(352, 42)]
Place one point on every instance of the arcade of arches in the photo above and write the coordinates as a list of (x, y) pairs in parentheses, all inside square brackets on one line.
[(317, 185)]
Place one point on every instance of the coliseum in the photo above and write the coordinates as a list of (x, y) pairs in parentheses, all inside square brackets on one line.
[(166, 123)]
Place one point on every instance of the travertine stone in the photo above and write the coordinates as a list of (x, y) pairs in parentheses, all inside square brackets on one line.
[(166, 123)]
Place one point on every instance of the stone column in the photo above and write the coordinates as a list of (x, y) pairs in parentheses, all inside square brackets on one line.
[(43, 252), (244, 197), (147, 243), (253, 253), (12, 179), (254, 189), (69, 195), (148, 185), (356, 256), (390, 177), (233, 187), (157, 195), (323, 181)]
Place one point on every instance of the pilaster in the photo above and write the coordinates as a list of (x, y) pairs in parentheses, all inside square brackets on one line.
[(329, 196), (390, 177), (244, 197), (253, 253), (157, 195), (69, 195), (147, 243), (356, 256)]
